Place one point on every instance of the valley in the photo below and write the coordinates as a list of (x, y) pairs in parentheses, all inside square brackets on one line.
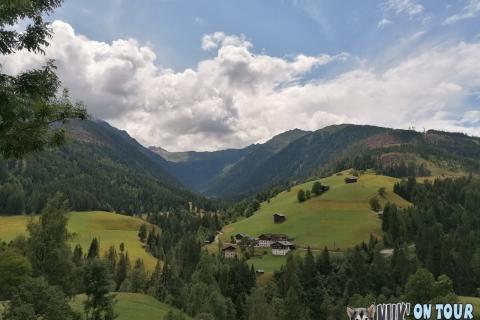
[(110, 180), (239, 160)]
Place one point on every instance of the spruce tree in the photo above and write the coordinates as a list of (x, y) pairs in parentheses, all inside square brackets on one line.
[(142, 234), (291, 307), (98, 284), (48, 248), (94, 250)]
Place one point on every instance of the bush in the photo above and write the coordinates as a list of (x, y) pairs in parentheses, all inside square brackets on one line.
[(301, 195), (375, 204), (381, 191)]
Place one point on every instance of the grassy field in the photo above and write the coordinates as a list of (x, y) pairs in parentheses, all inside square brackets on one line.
[(110, 228), (134, 306), (474, 301), (341, 215), (129, 306)]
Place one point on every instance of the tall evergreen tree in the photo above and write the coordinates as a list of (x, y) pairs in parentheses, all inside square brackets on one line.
[(94, 250), (47, 247), (98, 284), (291, 307)]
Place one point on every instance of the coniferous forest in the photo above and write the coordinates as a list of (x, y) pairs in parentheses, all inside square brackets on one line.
[(54, 160)]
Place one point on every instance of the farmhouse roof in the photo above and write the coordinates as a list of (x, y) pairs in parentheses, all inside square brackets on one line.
[(279, 244), (279, 215), (229, 248), (267, 235), (243, 235)]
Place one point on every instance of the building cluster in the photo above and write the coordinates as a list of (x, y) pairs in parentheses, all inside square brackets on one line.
[(279, 243)]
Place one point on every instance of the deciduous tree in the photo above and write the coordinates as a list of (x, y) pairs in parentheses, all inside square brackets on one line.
[(375, 204), (35, 299), (14, 269), (301, 195), (29, 106)]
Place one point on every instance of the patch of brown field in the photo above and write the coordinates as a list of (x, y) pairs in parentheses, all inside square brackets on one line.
[(117, 224), (227, 229), (314, 204), (264, 278), (435, 138), (380, 140), (390, 159)]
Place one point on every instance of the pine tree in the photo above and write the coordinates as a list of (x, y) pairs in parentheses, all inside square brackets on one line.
[(142, 234), (94, 250), (257, 305), (99, 303), (77, 256), (323, 262), (48, 248), (291, 307)]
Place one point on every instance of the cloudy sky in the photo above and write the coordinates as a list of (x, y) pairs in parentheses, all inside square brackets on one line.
[(215, 74)]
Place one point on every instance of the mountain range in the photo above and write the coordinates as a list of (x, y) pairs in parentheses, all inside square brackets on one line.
[(104, 168)]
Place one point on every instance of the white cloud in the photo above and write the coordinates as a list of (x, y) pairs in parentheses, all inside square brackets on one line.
[(410, 7), (198, 20), (418, 34), (237, 98), (472, 10), (472, 117), (212, 41), (427, 19), (384, 23)]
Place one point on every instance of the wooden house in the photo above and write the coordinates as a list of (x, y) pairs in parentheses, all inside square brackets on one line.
[(380, 214), (259, 272), (240, 236), (279, 218), (325, 188), (265, 240), (350, 180), (280, 249), (279, 237), (229, 252)]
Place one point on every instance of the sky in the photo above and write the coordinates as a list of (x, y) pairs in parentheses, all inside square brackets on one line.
[(207, 75)]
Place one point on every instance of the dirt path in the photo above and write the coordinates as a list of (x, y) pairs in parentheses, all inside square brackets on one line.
[(216, 237)]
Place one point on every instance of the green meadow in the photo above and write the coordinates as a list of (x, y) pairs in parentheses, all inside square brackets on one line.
[(129, 306), (475, 303), (110, 228), (134, 306), (340, 216)]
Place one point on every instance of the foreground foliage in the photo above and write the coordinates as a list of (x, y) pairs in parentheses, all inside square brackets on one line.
[(29, 106)]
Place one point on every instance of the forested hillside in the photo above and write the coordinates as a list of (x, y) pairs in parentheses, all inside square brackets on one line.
[(444, 225), (97, 171), (218, 172), (203, 168), (243, 169), (396, 153)]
